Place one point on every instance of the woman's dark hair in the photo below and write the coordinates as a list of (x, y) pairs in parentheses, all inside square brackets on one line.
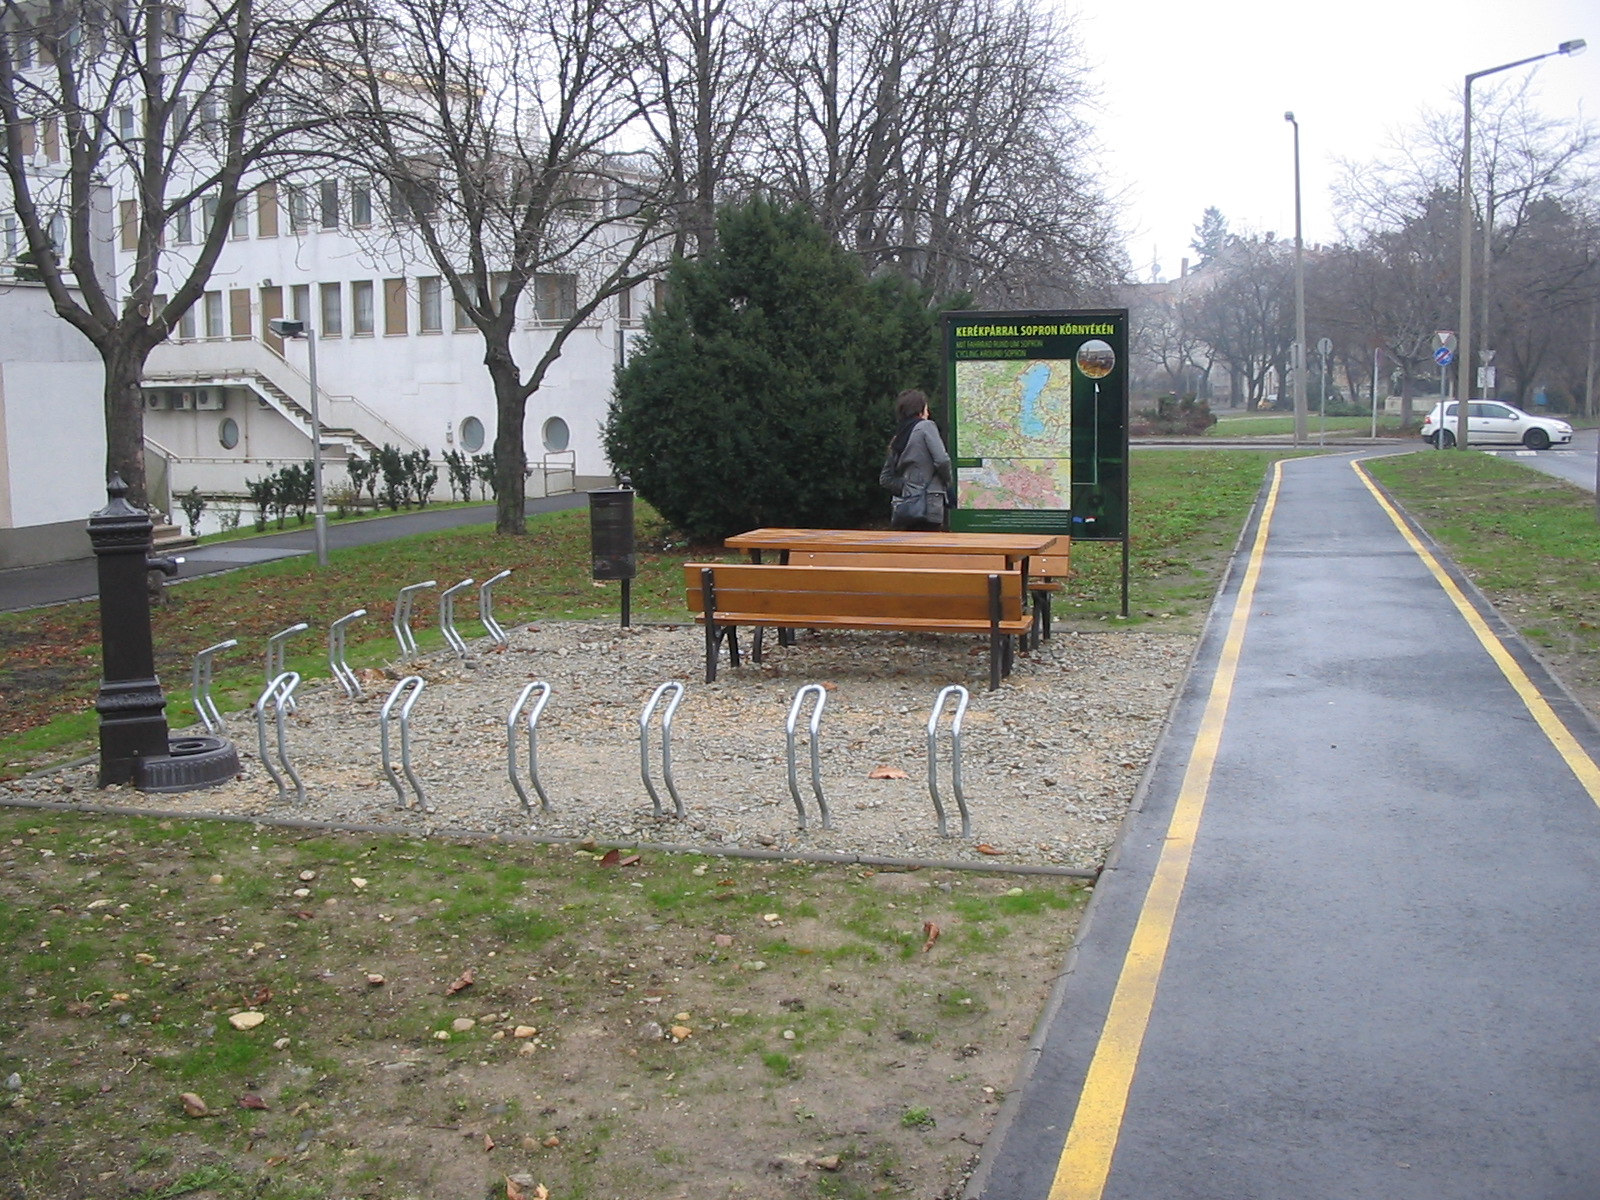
[(909, 403)]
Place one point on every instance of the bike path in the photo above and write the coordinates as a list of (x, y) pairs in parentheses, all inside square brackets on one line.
[(1349, 943)]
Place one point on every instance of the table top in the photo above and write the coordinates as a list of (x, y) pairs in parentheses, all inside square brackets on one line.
[(908, 541)]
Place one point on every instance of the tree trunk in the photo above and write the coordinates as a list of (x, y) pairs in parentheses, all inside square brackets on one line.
[(510, 460), (123, 401)]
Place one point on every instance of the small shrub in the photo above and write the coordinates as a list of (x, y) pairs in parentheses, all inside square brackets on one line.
[(193, 505), (483, 465), (461, 472), (1173, 417), (263, 494)]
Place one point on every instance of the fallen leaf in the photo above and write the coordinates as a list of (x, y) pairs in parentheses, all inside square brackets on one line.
[(263, 996), (887, 773), (514, 1190), (251, 1100), (631, 860), (611, 858), (375, 979), (463, 981), (931, 931), (488, 1143), (985, 848)]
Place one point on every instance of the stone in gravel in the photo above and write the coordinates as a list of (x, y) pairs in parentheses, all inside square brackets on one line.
[(246, 1020)]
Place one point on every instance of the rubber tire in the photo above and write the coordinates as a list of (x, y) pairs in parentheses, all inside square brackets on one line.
[(1444, 439), (1536, 439)]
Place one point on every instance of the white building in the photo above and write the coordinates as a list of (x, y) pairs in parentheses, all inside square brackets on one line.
[(396, 362), (52, 432)]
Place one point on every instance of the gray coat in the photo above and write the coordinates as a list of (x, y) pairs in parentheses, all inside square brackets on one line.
[(925, 460)]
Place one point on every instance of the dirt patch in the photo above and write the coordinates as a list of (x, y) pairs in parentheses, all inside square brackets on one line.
[(442, 1020)]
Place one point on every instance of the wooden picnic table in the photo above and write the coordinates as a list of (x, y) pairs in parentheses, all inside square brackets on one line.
[(1015, 547)]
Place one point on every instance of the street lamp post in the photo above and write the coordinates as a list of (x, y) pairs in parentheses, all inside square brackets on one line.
[(1299, 299), (1464, 371), (298, 329)]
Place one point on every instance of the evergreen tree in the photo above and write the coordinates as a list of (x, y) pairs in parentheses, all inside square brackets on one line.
[(1211, 237), (762, 392)]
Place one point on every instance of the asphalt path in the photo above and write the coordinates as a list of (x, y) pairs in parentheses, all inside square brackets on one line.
[(1346, 947), (1574, 463)]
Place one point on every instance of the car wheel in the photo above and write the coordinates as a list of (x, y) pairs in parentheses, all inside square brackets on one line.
[(1444, 439), (1536, 439)]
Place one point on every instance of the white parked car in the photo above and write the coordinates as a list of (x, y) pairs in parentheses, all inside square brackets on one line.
[(1495, 423)]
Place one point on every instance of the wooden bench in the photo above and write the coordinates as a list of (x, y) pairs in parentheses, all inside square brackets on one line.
[(1045, 571), (894, 598)]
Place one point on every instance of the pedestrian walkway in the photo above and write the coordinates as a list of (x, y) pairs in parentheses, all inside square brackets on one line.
[(59, 583), (1348, 946)]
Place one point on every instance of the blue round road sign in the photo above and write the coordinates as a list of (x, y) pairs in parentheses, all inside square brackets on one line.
[(1444, 356)]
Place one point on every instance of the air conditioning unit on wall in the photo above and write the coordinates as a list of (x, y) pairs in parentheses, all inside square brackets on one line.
[(183, 401), (208, 399), (155, 399)]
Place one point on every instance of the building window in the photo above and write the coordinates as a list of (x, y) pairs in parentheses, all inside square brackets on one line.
[(361, 203), (241, 219), (555, 434), (57, 233), (463, 320), (128, 219), (430, 308), (267, 210), (228, 433), (125, 125), (299, 205), (213, 309), (239, 314), (472, 435), (208, 215), (52, 139), (186, 324), (332, 310), (394, 308), (625, 305), (26, 132), (11, 236), (328, 203), (361, 308), (555, 297), (300, 303), (182, 226)]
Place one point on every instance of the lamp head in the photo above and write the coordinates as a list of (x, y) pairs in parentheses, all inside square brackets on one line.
[(286, 329), (1288, 116), (1575, 46)]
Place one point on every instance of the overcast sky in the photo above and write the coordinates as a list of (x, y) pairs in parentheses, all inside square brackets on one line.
[(1192, 97)]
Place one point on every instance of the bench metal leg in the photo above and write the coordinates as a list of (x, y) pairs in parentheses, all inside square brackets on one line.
[(756, 639)]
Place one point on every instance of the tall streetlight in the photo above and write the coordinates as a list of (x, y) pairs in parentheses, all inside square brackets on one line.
[(1299, 299), (297, 329), (1464, 369)]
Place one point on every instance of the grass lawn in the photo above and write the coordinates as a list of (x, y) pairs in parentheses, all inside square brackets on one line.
[(1187, 508)]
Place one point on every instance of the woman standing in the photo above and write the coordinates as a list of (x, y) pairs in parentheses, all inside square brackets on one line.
[(917, 467)]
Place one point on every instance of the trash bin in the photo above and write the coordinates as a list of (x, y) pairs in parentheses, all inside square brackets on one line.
[(611, 542)]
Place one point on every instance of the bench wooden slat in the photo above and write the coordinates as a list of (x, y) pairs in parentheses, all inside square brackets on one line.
[(889, 598), (897, 560)]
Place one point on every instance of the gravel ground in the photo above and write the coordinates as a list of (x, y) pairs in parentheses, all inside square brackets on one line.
[(1049, 762)]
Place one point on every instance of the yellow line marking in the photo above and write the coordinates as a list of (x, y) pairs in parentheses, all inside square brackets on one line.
[(1576, 758), (1085, 1160)]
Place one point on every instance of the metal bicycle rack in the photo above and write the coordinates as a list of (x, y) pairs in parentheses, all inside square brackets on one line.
[(336, 663), (402, 616), (955, 757), (543, 689), (410, 687), (821, 694), (280, 695), (447, 615), (201, 686), (275, 665), (486, 609), (666, 745)]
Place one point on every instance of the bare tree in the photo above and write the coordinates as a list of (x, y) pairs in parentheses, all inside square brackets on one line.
[(1246, 316), (703, 81), (125, 118), (942, 139), (496, 129)]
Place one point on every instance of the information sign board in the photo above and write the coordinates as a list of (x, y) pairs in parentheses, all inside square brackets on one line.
[(1039, 421)]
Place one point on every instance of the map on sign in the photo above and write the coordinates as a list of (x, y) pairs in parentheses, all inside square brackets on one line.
[(1017, 418)]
